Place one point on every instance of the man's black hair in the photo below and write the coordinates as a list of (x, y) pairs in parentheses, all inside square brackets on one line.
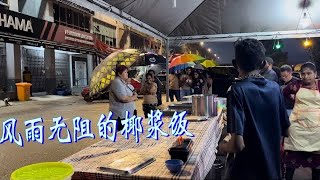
[(151, 70), (249, 54), (285, 67), (269, 60), (309, 65)]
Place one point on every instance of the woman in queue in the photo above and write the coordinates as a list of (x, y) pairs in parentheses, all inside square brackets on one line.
[(149, 90), (122, 96), (302, 147)]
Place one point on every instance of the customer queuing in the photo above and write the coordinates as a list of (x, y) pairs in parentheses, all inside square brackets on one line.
[(287, 78), (197, 83), (302, 147), (159, 85), (257, 125), (186, 83), (268, 72), (149, 90), (174, 90)]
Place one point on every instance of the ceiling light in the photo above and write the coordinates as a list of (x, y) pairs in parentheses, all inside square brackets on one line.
[(174, 3)]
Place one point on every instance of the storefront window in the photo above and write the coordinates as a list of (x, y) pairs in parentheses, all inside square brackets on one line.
[(76, 19), (103, 38), (81, 21), (56, 12), (106, 32), (71, 17), (62, 15), (87, 23)]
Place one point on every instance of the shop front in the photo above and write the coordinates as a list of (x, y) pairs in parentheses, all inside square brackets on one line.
[(52, 52)]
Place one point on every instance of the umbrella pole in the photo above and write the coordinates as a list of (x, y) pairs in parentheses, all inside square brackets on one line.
[(167, 70)]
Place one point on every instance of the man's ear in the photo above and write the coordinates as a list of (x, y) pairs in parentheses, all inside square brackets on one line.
[(263, 64)]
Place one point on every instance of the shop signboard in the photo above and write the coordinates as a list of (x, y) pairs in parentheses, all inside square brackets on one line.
[(18, 28), (74, 37), (19, 24)]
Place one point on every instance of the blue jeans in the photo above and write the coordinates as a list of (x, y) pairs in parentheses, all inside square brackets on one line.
[(185, 92)]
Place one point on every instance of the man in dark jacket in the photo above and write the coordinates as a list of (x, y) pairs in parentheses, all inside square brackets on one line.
[(287, 78), (268, 72)]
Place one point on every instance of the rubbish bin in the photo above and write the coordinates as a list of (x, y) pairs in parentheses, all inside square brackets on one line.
[(23, 91)]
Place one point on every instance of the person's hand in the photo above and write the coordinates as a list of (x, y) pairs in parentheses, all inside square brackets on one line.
[(222, 147), (201, 81), (135, 96), (292, 96)]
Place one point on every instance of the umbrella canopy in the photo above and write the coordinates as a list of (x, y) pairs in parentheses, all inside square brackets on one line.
[(184, 59), (199, 67), (104, 73), (208, 64), (183, 66)]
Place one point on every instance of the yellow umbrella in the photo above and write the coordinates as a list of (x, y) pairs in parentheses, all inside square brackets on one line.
[(104, 73), (208, 64)]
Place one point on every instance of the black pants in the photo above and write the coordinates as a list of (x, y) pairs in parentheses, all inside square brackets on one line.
[(290, 172), (119, 124), (159, 98), (173, 93), (147, 108)]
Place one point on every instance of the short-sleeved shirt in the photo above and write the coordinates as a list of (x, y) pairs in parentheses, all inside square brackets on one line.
[(258, 114), (118, 89)]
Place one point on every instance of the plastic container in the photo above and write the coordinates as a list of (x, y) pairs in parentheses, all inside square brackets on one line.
[(44, 171), (23, 91), (181, 151)]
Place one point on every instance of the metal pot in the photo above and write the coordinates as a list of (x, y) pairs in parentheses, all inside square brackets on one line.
[(211, 105), (198, 105)]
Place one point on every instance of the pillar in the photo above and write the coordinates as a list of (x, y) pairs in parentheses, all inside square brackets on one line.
[(90, 66), (50, 70), (167, 69), (13, 59)]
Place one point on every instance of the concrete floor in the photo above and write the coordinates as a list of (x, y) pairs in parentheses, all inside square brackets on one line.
[(13, 156)]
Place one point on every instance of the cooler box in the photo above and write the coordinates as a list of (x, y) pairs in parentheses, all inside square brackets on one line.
[(23, 91)]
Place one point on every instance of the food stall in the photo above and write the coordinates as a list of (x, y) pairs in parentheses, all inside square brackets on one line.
[(126, 159)]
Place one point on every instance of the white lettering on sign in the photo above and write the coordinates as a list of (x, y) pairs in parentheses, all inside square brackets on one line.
[(78, 37), (17, 24)]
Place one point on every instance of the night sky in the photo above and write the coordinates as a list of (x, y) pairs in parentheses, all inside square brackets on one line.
[(296, 53)]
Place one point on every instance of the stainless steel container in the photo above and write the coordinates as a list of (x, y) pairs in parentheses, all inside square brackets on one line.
[(198, 105), (211, 105)]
